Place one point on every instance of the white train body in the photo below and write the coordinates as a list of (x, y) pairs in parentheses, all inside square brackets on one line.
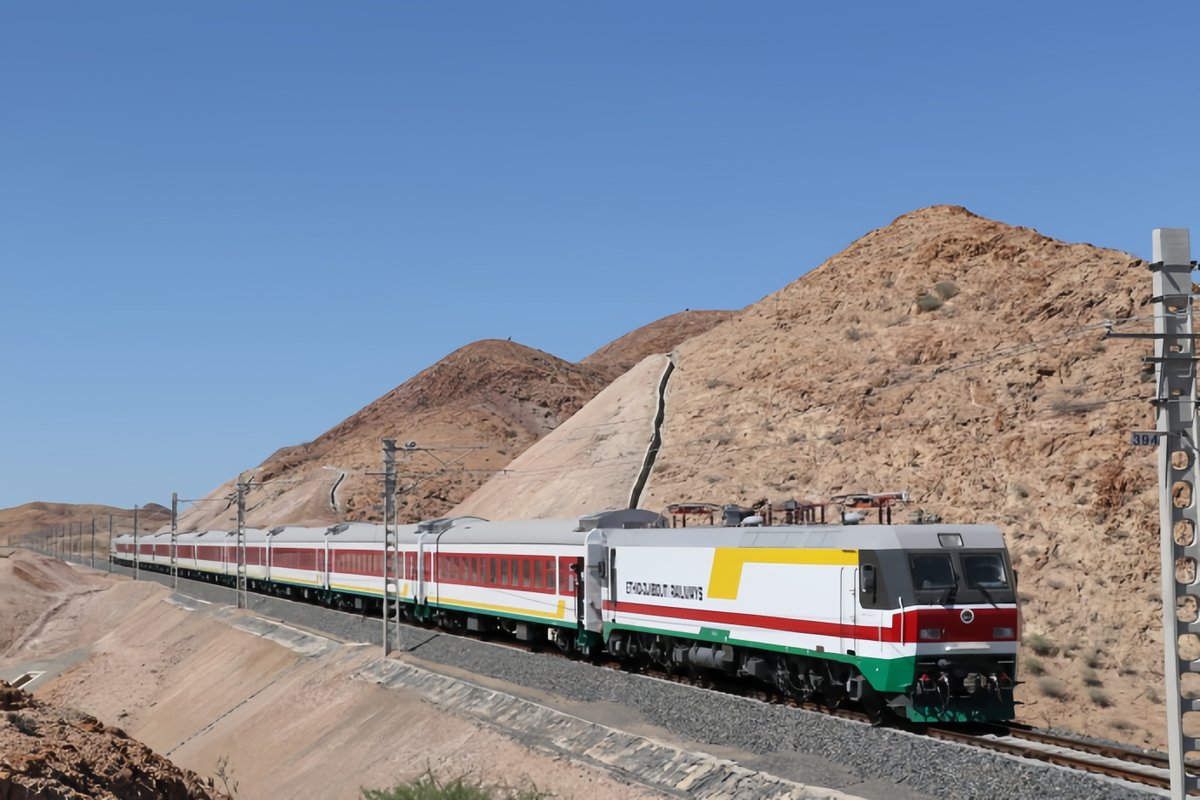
[(921, 618)]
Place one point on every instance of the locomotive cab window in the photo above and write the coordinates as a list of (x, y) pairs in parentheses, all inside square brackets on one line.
[(932, 571), (985, 571)]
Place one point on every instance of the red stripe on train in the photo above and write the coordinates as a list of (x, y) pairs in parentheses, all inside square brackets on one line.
[(946, 620)]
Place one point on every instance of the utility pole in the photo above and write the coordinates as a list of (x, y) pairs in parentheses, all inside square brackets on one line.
[(174, 533), (137, 554), (110, 543), (389, 516), (93, 559), (1175, 364), (241, 542)]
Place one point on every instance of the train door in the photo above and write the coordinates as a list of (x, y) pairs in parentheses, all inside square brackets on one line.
[(594, 577), (849, 609), (423, 564), (323, 559)]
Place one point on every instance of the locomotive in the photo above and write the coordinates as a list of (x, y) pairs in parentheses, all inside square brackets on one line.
[(919, 621)]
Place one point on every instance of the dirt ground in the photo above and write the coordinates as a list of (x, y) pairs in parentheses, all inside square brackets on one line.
[(261, 720)]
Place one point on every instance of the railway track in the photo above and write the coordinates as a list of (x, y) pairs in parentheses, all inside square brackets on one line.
[(1141, 767), (1111, 760)]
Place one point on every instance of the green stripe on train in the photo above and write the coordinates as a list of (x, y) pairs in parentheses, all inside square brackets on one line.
[(886, 675)]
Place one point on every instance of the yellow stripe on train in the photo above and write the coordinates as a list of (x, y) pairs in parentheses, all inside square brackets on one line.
[(559, 613), (726, 575)]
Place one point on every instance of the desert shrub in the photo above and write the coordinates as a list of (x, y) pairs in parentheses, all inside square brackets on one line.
[(1053, 687), (1064, 407), (796, 438), (1034, 667), (1122, 725), (929, 302), (1090, 677), (1021, 491), (712, 383), (428, 787), (1097, 696), (852, 334), (723, 438), (767, 425), (1041, 644), (1093, 658), (946, 289)]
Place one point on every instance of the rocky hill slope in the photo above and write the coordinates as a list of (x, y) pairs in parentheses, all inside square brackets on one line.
[(43, 518), (49, 752), (620, 355), (964, 360)]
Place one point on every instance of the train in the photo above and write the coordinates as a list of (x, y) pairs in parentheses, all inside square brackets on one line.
[(911, 621)]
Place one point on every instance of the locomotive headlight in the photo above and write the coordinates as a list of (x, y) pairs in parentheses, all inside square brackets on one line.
[(929, 634), (1002, 633)]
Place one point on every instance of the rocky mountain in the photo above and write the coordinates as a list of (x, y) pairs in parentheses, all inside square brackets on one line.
[(620, 355), (43, 518), (468, 416)]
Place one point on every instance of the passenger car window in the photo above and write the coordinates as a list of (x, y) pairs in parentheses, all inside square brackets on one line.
[(932, 571)]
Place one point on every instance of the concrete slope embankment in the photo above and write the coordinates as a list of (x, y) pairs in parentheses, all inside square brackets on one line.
[(276, 709), (589, 463)]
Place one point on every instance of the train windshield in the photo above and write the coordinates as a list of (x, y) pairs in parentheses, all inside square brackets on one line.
[(932, 571), (985, 571)]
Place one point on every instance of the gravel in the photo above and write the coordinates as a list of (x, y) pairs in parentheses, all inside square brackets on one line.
[(800, 745)]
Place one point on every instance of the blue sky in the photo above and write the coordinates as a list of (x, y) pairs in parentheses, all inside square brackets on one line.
[(226, 226)]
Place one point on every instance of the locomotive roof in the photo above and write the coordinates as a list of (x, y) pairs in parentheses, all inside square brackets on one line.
[(851, 537)]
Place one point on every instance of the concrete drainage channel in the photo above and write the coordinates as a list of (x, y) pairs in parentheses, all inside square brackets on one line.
[(26, 679), (632, 758), (654, 764)]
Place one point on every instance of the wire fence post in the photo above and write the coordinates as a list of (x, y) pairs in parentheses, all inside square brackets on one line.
[(241, 543), (93, 559), (137, 551), (110, 543), (389, 513), (174, 543)]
